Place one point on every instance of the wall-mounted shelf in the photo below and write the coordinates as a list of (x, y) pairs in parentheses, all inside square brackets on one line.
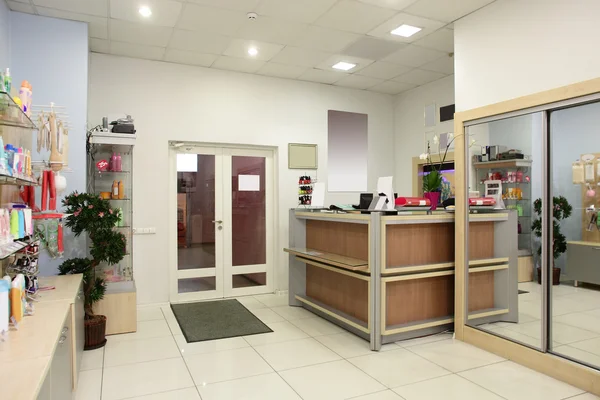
[(12, 180), (501, 164), (12, 115)]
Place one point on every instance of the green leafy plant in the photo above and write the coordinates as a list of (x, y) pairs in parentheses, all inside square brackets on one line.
[(93, 215), (432, 182), (561, 210)]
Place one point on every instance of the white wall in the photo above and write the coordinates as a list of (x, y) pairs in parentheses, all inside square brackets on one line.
[(410, 132), (52, 54), (512, 48), (4, 36), (176, 102)]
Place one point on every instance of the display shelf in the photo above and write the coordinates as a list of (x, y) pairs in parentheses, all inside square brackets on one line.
[(17, 181), (332, 312), (8, 249), (329, 258), (355, 273), (416, 325), (12, 115), (488, 312), (502, 164), (416, 268), (488, 268)]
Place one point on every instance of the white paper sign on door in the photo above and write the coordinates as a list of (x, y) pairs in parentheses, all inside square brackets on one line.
[(249, 183)]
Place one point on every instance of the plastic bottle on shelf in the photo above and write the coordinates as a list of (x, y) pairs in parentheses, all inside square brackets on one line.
[(113, 162), (7, 81), (118, 169), (29, 99), (24, 96), (115, 190), (121, 190), (4, 305)]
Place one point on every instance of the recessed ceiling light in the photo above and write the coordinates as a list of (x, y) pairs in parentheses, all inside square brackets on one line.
[(343, 66), (145, 11), (405, 30), (253, 51)]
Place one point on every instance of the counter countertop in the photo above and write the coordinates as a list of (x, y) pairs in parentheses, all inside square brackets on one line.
[(26, 353)]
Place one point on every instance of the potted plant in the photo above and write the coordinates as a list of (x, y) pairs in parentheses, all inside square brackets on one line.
[(432, 181), (562, 210), (93, 215)]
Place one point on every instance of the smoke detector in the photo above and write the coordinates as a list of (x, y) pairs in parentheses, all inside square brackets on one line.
[(252, 16)]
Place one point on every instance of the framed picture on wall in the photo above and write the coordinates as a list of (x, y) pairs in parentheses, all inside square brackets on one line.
[(302, 156)]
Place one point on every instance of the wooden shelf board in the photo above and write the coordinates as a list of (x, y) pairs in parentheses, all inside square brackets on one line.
[(417, 268), (488, 261), (487, 313), (488, 268), (514, 163), (353, 264), (416, 325), (416, 276), (341, 270), (340, 316)]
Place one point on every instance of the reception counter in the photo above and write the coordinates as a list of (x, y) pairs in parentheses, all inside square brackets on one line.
[(389, 278)]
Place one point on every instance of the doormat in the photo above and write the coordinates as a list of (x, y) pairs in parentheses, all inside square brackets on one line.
[(523, 291), (210, 320)]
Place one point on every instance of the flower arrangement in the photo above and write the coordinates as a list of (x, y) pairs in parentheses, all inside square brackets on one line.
[(432, 182), (91, 214)]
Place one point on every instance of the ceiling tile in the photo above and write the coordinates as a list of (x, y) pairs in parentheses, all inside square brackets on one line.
[(330, 40), (300, 57), (99, 45), (211, 19), (383, 70), (358, 82), (137, 50), (442, 39), (129, 32), (306, 11), (271, 30), (336, 58), (391, 87), (414, 56), (320, 76), (97, 26), (239, 5), (281, 70), (90, 7), (427, 26), (189, 58), (164, 12), (201, 42), (239, 48), (372, 48), (21, 7), (445, 65), (393, 4), (353, 16), (419, 77), (238, 64), (446, 10)]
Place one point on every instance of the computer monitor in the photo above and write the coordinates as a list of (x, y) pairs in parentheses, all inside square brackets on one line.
[(365, 201)]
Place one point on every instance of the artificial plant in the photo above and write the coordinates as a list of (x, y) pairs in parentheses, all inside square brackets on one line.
[(561, 210), (432, 182), (93, 215)]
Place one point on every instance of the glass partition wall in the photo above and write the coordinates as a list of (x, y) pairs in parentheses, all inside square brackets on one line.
[(533, 256)]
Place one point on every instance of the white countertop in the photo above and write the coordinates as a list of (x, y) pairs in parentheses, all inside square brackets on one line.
[(26, 353)]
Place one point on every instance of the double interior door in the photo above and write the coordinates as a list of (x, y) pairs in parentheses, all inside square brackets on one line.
[(224, 222)]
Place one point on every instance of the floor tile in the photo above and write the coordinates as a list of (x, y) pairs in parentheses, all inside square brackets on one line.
[(562, 333), (226, 365), (517, 336), (295, 354), (385, 395), (251, 303), (267, 315), (582, 320), (173, 325), (454, 355), (515, 382), (317, 326), (282, 332), (89, 386), (145, 378), (261, 387), (167, 312), (140, 350), (273, 300), (291, 313), (578, 354), (209, 346), (349, 345), (398, 367), (182, 394), (92, 359), (450, 387), (585, 396), (591, 346), (149, 314), (332, 381), (145, 330), (425, 339)]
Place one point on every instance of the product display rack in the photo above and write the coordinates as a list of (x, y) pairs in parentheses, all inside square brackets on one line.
[(516, 193), (305, 189)]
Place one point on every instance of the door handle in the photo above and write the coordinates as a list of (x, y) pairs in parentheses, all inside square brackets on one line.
[(217, 222)]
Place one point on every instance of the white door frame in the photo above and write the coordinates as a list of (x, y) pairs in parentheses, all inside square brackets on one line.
[(223, 257)]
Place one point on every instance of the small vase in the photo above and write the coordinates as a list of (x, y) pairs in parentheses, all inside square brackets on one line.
[(434, 198)]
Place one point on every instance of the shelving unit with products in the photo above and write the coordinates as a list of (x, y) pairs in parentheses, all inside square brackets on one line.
[(305, 189), (115, 183)]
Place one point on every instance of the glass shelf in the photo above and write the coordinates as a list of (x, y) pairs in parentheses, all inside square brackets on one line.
[(12, 115), (13, 180), (110, 173)]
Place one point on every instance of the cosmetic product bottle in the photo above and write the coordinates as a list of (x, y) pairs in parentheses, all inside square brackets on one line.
[(115, 190), (589, 171), (121, 190), (578, 173), (24, 96), (4, 305), (118, 169), (7, 81), (113, 162), (16, 304), (29, 98)]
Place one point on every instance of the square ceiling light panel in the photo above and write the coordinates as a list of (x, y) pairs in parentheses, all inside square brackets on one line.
[(372, 48), (163, 12), (328, 64), (427, 26), (90, 7), (354, 16), (406, 30)]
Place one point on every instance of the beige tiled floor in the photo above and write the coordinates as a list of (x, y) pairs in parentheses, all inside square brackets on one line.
[(306, 358)]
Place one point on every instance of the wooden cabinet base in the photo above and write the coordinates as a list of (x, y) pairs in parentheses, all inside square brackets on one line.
[(120, 310)]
